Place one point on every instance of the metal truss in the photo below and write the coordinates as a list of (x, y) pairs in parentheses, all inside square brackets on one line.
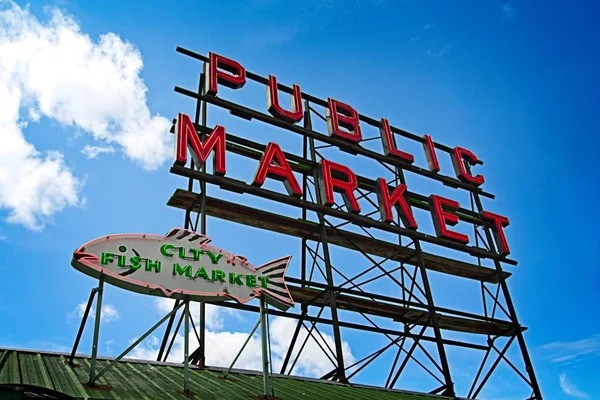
[(325, 291)]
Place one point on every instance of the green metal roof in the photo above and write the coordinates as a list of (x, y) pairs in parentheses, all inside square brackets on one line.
[(136, 380)]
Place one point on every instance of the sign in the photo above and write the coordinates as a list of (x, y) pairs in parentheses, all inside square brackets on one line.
[(182, 264), (344, 131)]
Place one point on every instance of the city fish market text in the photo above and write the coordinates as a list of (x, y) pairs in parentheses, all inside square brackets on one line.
[(343, 124), (182, 264), (217, 275)]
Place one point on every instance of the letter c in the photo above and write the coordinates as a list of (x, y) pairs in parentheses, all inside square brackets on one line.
[(164, 248)]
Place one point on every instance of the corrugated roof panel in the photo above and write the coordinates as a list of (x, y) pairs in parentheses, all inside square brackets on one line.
[(82, 371), (123, 383), (33, 371), (226, 387), (63, 376), (10, 369), (150, 377), (198, 385), (130, 380)]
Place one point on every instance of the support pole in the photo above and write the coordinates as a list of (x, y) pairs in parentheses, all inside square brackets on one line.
[(243, 347), (263, 340), (508, 299), (83, 322), (96, 329), (134, 344), (167, 331), (186, 348), (341, 370)]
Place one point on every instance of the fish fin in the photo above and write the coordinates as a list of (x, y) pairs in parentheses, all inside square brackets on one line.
[(277, 293), (189, 236)]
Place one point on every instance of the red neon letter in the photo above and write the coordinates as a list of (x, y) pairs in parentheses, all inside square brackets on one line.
[(273, 102), (441, 218), (222, 71), (497, 223), (340, 115), (281, 170), (458, 155), (188, 137), (389, 144), (345, 187), (396, 198), (432, 160)]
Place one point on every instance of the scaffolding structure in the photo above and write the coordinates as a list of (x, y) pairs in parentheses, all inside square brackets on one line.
[(326, 292)]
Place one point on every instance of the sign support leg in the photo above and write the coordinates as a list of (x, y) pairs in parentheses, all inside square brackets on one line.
[(82, 326), (96, 329), (263, 340), (186, 349), (243, 347), (137, 342)]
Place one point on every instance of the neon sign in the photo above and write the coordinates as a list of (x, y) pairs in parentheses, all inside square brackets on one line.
[(182, 264), (343, 123)]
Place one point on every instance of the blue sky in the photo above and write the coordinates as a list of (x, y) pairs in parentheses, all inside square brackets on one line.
[(516, 82)]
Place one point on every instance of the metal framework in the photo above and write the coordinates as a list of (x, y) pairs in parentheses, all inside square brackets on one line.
[(331, 299)]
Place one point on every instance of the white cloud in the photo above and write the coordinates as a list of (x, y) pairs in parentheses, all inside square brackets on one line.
[(222, 346), (562, 352), (51, 69), (108, 314), (569, 389), (95, 151), (214, 317)]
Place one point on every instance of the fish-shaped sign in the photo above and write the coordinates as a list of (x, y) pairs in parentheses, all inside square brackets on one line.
[(182, 264)]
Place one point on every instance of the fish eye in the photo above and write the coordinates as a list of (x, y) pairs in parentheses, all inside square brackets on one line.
[(122, 249)]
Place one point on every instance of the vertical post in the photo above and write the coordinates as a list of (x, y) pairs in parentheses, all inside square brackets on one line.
[(82, 326), (509, 303), (96, 329), (186, 347), (263, 340), (341, 371), (201, 109), (511, 308), (449, 385), (202, 334)]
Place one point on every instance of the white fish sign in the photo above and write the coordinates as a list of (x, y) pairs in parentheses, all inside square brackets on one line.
[(182, 264)]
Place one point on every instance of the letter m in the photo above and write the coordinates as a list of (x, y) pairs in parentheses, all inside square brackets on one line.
[(187, 137)]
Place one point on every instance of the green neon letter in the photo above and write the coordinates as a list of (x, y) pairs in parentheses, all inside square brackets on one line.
[(150, 265), (106, 258), (218, 275), (264, 281), (250, 280), (214, 257), (136, 262), (164, 248), (196, 253), (235, 278), (121, 261), (202, 274), (187, 270)]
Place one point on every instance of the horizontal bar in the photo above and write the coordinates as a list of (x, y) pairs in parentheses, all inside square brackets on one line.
[(402, 314), (254, 150), (344, 145), (242, 187), (351, 325), (253, 217), (373, 122)]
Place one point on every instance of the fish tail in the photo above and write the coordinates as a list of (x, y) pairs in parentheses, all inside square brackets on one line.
[(276, 292), (187, 235)]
